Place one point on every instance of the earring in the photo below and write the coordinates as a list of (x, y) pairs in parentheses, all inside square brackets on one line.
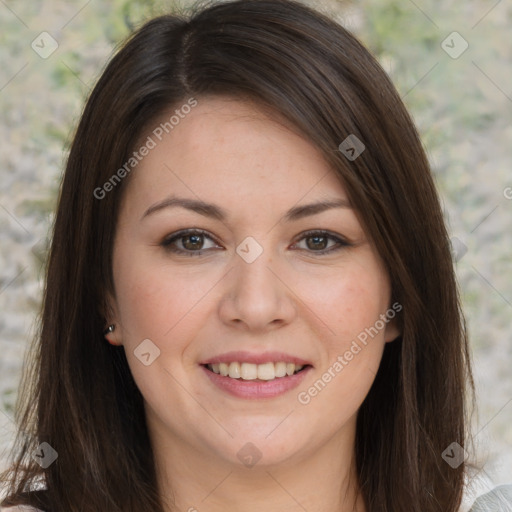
[(109, 329)]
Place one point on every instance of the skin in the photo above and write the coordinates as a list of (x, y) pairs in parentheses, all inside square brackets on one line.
[(289, 299)]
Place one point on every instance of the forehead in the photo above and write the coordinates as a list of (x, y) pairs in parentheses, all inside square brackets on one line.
[(225, 149)]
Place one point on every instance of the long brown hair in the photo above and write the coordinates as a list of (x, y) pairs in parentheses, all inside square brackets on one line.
[(297, 63)]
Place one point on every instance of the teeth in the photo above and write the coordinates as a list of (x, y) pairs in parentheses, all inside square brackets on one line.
[(266, 371), (249, 371), (224, 369), (280, 369), (235, 371)]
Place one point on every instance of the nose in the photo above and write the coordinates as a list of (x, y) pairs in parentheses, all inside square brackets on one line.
[(257, 296)]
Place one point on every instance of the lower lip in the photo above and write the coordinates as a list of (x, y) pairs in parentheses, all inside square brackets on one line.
[(257, 388)]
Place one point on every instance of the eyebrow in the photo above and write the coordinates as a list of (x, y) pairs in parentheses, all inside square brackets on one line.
[(218, 213)]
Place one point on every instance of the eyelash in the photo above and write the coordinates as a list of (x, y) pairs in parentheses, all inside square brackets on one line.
[(168, 241)]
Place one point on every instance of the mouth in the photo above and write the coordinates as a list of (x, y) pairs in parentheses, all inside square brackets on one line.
[(255, 375), (245, 371)]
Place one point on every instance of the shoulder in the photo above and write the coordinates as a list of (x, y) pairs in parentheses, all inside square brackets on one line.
[(498, 499), (36, 496), (20, 508)]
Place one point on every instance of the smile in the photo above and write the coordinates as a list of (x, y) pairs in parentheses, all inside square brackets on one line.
[(255, 381), (249, 371)]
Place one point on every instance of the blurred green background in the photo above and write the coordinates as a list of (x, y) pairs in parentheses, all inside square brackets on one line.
[(462, 106)]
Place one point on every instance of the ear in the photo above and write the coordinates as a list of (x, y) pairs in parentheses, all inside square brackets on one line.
[(111, 316), (391, 331)]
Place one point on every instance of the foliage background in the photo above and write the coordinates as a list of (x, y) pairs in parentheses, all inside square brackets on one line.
[(463, 108)]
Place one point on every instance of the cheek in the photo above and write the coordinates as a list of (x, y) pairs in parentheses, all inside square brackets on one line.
[(161, 306), (353, 341), (142, 301), (346, 303), (157, 301)]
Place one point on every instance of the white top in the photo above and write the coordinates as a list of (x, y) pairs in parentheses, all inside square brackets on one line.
[(498, 499), (20, 508)]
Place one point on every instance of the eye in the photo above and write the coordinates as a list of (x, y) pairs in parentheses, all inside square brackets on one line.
[(189, 242), (320, 242)]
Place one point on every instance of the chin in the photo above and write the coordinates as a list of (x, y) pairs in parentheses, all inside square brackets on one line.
[(264, 448)]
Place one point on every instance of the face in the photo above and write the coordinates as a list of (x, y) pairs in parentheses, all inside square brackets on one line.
[(253, 285)]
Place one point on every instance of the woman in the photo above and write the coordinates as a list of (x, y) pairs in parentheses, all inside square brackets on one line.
[(250, 298)]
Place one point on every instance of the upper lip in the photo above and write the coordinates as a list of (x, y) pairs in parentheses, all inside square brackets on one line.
[(255, 358)]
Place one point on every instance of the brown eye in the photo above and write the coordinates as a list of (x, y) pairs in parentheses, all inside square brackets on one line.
[(318, 242), (189, 242)]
